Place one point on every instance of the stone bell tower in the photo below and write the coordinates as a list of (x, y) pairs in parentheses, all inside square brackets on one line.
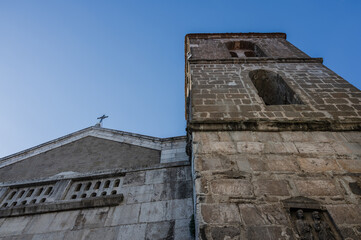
[(275, 142)]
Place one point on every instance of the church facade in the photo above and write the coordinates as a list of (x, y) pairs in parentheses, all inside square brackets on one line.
[(272, 151)]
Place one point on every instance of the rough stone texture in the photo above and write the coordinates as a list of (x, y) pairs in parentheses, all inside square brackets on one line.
[(276, 46), (250, 158), (244, 190), (225, 92)]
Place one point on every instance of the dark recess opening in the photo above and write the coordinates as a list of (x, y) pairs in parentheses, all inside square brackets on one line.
[(243, 49), (273, 89)]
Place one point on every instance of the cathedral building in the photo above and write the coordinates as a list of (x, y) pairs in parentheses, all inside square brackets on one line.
[(272, 151)]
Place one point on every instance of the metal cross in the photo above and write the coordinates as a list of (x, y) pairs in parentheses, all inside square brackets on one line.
[(102, 118)]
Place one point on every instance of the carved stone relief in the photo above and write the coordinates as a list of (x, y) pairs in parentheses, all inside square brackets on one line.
[(312, 224), (310, 220)]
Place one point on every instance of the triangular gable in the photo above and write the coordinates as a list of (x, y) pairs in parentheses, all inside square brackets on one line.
[(114, 135), (88, 150)]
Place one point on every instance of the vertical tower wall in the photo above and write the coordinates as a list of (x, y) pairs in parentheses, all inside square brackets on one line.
[(256, 162)]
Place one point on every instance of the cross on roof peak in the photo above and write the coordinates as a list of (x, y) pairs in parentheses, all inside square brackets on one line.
[(101, 118)]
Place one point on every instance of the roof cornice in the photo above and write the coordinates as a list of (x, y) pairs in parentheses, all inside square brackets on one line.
[(104, 133), (235, 35)]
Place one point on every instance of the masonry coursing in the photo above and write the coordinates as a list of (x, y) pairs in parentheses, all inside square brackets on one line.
[(250, 159)]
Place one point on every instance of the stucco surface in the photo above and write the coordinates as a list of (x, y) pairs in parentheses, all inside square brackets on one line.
[(85, 155)]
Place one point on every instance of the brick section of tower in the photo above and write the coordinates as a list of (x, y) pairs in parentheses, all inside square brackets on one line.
[(251, 159), (218, 93)]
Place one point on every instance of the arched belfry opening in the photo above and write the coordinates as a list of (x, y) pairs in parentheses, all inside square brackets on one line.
[(243, 49), (272, 88)]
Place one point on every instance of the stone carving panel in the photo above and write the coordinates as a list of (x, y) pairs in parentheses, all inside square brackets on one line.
[(314, 224)]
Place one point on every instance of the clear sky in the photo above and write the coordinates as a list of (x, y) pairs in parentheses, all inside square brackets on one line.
[(64, 63)]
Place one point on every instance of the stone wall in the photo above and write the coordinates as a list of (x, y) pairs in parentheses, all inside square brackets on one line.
[(216, 48), (276, 141), (225, 92), (244, 178), (156, 203)]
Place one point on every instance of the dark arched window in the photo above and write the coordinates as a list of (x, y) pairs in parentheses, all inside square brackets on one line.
[(244, 49), (272, 88)]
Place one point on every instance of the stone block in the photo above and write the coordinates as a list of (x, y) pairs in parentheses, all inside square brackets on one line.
[(178, 174), (267, 137), (40, 223), (153, 212), (316, 188), (215, 162), (47, 236), (295, 137), (218, 147), (225, 232), (136, 231), (14, 225), (279, 163), (179, 209), (63, 221), (77, 234), (207, 162), (314, 148), (257, 164), (238, 187), (160, 230), (123, 214), (201, 186), (18, 237), (172, 190), (180, 156), (263, 214), (91, 218), (345, 214), (280, 147), (134, 178), (243, 136), (224, 136), (317, 164), (250, 147), (181, 230), (267, 233), (155, 176), (353, 166), (347, 148), (102, 233), (221, 213), (205, 137), (352, 136), (138, 194), (242, 163), (271, 187)]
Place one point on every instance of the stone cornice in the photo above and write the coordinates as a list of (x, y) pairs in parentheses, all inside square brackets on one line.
[(235, 35), (275, 126), (255, 60)]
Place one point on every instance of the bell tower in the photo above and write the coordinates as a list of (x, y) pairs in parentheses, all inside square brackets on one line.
[(274, 139)]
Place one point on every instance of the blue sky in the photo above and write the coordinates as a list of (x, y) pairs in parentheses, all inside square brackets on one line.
[(64, 63)]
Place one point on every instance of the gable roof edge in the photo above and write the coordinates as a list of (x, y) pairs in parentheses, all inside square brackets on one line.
[(104, 133)]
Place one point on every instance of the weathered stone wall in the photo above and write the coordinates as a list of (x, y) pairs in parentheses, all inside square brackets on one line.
[(256, 163), (225, 92), (216, 48), (157, 204), (243, 177)]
